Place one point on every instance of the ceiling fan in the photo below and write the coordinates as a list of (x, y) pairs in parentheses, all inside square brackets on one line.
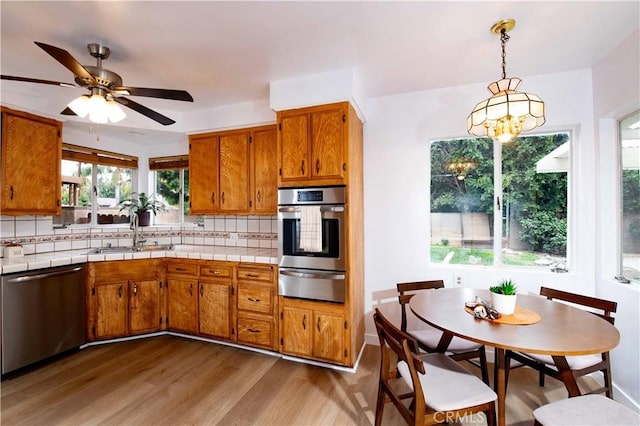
[(105, 86)]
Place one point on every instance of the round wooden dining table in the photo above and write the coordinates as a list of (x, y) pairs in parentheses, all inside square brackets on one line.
[(562, 330)]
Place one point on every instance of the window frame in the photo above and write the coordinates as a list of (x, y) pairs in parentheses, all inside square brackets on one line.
[(175, 162), (497, 245)]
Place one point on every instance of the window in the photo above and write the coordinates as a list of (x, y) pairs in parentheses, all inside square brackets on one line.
[(171, 185), (629, 129), (93, 182), (523, 182)]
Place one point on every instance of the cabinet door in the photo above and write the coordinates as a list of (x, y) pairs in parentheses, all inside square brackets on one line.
[(328, 336), (183, 305), (265, 175), (144, 306), (203, 174), (31, 158), (327, 144), (296, 331), (294, 148), (111, 309), (234, 173), (214, 308)]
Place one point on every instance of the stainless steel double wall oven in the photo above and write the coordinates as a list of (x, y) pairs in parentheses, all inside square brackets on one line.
[(318, 274)]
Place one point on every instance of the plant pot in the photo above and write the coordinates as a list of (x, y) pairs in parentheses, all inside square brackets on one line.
[(503, 303), (144, 218)]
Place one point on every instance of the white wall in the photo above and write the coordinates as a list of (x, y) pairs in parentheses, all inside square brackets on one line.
[(616, 87), (397, 231)]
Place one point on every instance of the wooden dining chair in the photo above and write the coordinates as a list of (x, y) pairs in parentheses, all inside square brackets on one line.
[(585, 410), (428, 337), (579, 365), (440, 389)]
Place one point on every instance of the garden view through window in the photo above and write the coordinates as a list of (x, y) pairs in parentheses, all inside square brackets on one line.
[(524, 182), (629, 129)]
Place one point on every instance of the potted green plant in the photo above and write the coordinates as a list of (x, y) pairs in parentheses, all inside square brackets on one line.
[(142, 205), (503, 297)]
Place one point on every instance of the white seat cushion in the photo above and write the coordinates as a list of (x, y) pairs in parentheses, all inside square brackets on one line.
[(575, 362), (430, 337), (447, 385), (586, 410)]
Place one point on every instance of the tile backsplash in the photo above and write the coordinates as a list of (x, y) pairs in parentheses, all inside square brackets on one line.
[(38, 235)]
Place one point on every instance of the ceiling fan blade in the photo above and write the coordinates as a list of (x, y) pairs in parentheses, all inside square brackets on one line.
[(165, 121), (68, 61), (176, 95), (68, 111), (37, 80)]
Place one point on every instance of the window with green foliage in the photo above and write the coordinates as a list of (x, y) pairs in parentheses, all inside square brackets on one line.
[(500, 204), (93, 182), (171, 182), (629, 129)]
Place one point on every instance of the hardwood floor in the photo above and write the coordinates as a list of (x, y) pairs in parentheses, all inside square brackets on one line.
[(169, 380)]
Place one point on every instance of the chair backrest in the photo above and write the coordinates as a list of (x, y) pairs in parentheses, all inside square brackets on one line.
[(407, 290), (405, 347), (606, 306)]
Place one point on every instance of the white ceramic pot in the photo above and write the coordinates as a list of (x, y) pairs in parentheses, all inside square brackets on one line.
[(505, 304)]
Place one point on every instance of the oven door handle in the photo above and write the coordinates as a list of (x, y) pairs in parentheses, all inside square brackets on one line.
[(321, 275), (322, 209)]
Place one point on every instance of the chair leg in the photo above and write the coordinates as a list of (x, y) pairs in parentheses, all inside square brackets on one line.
[(491, 415), (379, 405), (507, 368), (606, 372), (483, 366), (541, 378)]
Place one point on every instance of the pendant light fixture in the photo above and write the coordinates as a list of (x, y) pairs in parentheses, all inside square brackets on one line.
[(508, 112)]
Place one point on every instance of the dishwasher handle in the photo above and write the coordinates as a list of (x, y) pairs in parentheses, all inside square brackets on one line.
[(26, 278)]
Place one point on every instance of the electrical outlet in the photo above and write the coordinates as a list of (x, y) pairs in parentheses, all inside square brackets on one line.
[(458, 281)]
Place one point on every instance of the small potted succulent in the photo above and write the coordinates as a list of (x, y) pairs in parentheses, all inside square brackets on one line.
[(503, 297), (143, 206)]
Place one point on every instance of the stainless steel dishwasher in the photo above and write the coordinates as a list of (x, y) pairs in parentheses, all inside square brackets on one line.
[(43, 314)]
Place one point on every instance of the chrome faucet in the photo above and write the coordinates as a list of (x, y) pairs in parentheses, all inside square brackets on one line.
[(137, 239)]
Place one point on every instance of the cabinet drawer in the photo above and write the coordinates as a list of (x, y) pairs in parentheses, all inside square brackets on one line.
[(265, 275), (182, 268), (215, 271), (255, 298), (255, 331)]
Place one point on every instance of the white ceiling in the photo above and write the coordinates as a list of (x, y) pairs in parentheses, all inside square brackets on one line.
[(228, 52)]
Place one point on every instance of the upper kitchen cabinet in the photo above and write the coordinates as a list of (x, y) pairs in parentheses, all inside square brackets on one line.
[(203, 173), (319, 145), (31, 159), (234, 172)]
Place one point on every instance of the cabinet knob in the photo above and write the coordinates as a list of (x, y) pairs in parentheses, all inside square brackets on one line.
[(135, 289)]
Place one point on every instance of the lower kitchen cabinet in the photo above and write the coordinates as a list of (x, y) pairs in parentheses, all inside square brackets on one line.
[(125, 298), (256, 305), (316, 330), (182, 296)]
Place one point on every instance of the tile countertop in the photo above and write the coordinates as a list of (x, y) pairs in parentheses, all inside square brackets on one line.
[(59, 258)]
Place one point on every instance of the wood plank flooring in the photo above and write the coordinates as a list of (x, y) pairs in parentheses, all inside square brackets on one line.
[(169, 380)]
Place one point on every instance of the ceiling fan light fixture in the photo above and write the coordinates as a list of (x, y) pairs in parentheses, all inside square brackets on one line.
[(98, 109), (508, 112), (80, 106), (114, 112)]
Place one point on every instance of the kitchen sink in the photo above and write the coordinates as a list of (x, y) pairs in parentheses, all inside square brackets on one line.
[(130, 249)]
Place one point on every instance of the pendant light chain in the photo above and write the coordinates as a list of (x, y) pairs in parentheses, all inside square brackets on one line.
[(504, 38)]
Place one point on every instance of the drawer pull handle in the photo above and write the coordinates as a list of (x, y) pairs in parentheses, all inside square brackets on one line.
[(251, 330), (181, 269), (251, 299), (214, 272), (253, 275)]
